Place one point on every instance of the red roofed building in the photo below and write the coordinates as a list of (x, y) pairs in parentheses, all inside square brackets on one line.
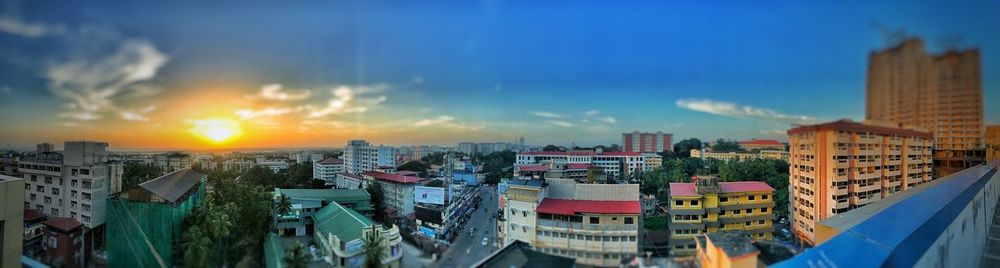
[(707, 206), (762, 145), (397, 189), (63, 243)]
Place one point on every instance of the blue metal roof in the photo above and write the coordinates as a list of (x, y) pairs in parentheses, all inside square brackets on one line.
[(900, 234), (535, 183)]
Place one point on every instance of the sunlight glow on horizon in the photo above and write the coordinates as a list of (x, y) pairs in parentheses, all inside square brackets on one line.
[(216, 130)]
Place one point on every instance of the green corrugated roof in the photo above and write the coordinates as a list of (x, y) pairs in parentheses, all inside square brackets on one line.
[(335, 195), (343, 222), (273, 251)]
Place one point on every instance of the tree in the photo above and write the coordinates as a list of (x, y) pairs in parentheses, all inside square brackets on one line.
[(683, 148), (378, 202), (595, 173), (196, 246), (136, 173), (552, 148), (722, 145), (374, 248), (283, 206), (296, 256), (415, 166), (298, 174), (435, 183)]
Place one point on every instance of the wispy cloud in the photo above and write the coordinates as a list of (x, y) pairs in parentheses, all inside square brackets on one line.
[(435, 121), (14, 26), (276, 92), (560, 123), (91, 85), (773, 132), (595, 116), (546, 114), (347, 99), (266, 112), (591, 113), (741, 111)]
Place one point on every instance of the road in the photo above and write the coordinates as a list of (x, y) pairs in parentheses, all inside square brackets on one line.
[(468, 249)]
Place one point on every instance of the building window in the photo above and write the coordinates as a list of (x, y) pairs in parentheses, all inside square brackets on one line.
[(595, 220), (746, 223), (751, 197), (749, 210), (628, 220), (764, 210), (679, 203), (763, 197), (694, 202), (723, 199)]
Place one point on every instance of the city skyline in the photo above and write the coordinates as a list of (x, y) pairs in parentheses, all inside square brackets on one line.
[(324, 73)]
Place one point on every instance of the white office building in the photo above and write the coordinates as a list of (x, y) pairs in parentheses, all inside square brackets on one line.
[(360, 157), (327, 170)]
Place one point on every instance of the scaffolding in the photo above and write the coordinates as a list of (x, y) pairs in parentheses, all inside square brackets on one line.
[(146, 232)]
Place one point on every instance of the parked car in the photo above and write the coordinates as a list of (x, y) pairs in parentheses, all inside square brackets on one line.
[(486, 241), (785, 233), (472, 231)]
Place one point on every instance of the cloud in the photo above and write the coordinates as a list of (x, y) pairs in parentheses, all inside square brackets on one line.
[(591, 113), (266, 112), (546, 114), (435, 121), (733, 110), (91, 85), (774, 132), (608, 119), (560, 123), (16, 27), (347, 99), (275, 92)]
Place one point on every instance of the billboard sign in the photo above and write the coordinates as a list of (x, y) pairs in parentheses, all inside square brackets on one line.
[(427, 232), (432, 195)]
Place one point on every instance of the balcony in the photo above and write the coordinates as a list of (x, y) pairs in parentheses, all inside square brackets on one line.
[(544, 224)]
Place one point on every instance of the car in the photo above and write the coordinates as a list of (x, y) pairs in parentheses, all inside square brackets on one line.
[(486, 241), (472, 231), (783, 220), (786, 233)]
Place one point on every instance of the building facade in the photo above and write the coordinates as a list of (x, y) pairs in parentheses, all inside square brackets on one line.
[(756, 144), (63, 243), (340, 233), (993, 143), (172, 161), (839, 166), (396, 189), (238, 165), (727, 156), (11, 220), (942, 93), (644, 142), (619, 165), (360, 157), (328, 169), (707, 206)]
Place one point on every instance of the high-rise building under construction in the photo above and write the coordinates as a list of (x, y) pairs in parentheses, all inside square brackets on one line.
[(942, 93)]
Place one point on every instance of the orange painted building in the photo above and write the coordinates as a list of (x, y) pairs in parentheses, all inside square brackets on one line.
[(762, 145), (727, 249), (992, 142), (839, 166)]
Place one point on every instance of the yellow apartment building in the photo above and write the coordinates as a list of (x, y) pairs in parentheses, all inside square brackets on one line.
[(707, 205)]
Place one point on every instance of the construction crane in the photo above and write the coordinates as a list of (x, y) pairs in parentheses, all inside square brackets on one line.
[(889, 36)]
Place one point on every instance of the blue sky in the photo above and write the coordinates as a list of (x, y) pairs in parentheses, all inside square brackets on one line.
[(442, 72)]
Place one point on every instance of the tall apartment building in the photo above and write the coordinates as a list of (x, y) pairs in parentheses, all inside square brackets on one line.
[(327, 170), (360, 157), (707, 206), (11, 220), (942, 93), (643, 142), (992, 142), (597, 224), (620, 165), (839, 166)]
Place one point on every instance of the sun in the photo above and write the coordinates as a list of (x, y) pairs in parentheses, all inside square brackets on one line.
[(216, 130)]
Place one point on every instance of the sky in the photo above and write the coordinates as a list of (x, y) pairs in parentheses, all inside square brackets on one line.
[(176, 74)]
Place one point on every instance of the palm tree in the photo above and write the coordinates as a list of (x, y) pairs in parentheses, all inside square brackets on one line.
[(296, 256), (196, 246), (374, 247), (220, 227), (283, 206)]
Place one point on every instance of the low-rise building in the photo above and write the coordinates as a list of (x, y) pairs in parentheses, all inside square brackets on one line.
[(238, 165), (728, 156), (274, 165), (519, 254), (172, 161), (396, 189), (735, 249), (34, 230), (63, 243), (340, 232), (756, 144), (305, 202), (349, 181), (328, 169), (617, 165), (707, 205)]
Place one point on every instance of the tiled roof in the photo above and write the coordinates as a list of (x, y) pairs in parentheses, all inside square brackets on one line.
[(745, 186), (343, 222), (533, 168), (32, 215), (172, 186), (349, 175), (64, 224), (847, 125), (682, 189), (407, 173), (331, 161), (762, 142), (535, 183), (393, 177), (582, 153), (572, 207)]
